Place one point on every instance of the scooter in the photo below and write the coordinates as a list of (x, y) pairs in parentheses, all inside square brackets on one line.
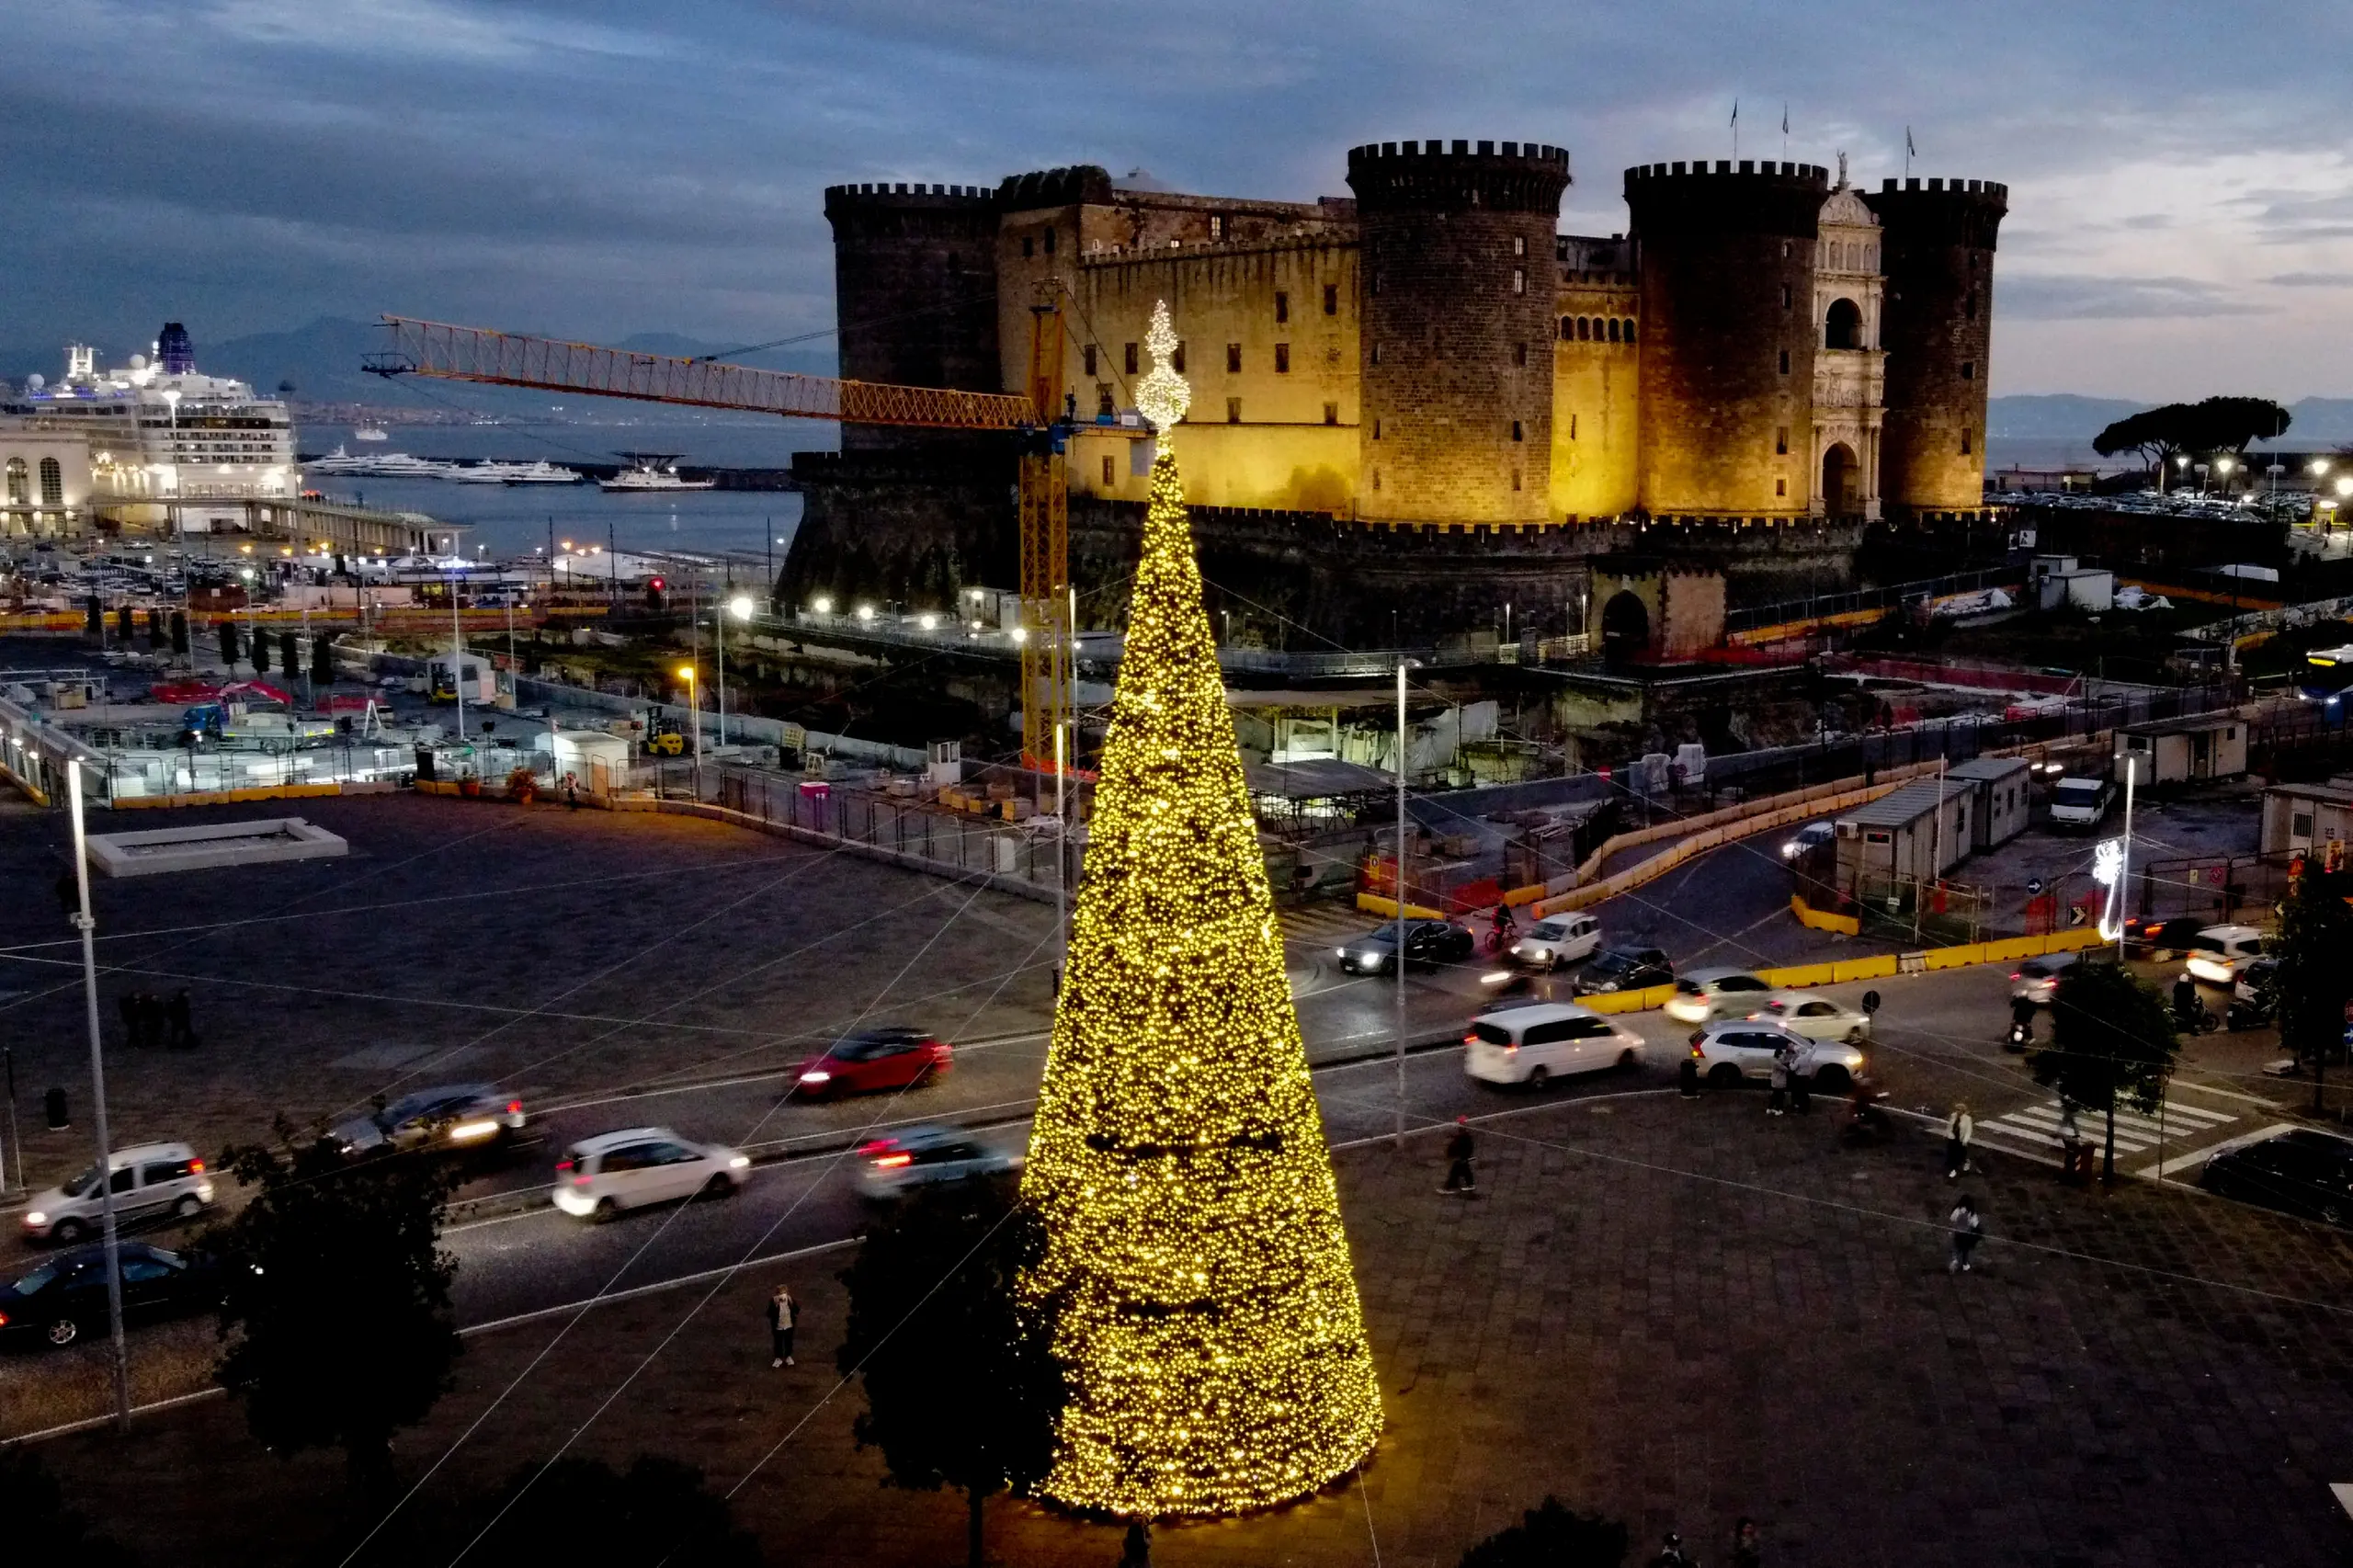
[(2249, 1015), (2195, 1020), (2021, 1036)]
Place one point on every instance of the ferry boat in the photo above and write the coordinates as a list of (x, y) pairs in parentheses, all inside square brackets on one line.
[(368, 433), (653, 471)]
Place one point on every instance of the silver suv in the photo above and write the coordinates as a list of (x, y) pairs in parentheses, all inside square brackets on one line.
[(1738, 1049)]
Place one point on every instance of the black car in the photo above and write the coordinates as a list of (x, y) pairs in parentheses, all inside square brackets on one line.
[(65, 1298), (1624, 968), (453, 1119), (1428, 943), (2161, 939), (2301, 1172)]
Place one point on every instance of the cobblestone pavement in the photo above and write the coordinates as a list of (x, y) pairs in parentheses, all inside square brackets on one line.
[(1676, 1313)]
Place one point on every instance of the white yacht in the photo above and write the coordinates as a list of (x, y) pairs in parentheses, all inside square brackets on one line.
[(542, 472), (368, 433), (653, 471)]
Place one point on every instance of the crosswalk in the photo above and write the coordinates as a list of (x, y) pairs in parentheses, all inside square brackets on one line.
[(1308, 927), (2037, 1126)]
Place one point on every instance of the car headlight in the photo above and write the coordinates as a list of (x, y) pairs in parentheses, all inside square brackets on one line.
[(1605, 986), (469, 1131), (739, 1163), (36, 1218), (816, 1078), (1339, 952)]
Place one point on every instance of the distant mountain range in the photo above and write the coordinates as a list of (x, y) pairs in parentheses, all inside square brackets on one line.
[(2064, 416)]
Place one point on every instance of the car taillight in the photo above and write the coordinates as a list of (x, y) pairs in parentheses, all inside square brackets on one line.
[(196, 1167), (514, 1108), (1470, 1040), (2018, 974), (893, 1162), (3, 1320), (563, 1165), (874, 1146)]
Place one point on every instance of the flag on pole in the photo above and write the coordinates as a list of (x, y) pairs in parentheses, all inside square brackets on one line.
[(1735, 114), (1909, 151), (1785, 119)]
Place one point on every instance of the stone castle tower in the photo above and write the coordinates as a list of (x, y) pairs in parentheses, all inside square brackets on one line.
[(1939, 272)]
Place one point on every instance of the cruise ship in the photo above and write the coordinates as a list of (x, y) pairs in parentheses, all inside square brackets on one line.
[(161, 430)]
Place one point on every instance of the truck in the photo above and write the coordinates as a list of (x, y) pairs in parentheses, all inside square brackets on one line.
[(2081, 802)]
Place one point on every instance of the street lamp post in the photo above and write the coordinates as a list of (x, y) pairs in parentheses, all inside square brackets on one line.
[(741, 608), (84, 923), (694, 722)]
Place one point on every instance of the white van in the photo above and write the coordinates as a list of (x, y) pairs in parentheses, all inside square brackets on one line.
[(599, 1176), (1529, 1045), (1558, 940), (151, 1181)]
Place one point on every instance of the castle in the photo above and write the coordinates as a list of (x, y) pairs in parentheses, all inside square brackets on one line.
[(1762, 349)]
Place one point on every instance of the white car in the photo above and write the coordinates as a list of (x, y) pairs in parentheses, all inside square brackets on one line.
[(1558, 939), (1529, 1045), (2218, 953), (1815, 1016), (599, 1176), (150, 1181), (1705, 993), (1736, 1050), (1806, 837)]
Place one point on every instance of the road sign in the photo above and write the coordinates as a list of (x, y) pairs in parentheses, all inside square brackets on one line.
[(2075, 915), (2033, 885)]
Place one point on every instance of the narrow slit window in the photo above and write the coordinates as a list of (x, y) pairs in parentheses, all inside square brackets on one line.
[(1282, 358), (1331, 299), (1282, 307), (1233, 358), (1131, 360), (1331, 414), (1233, 410)]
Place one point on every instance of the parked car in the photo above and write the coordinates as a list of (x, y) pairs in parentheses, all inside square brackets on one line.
[(2081, 802), (1624, 968), (2257, 978), (1529, 1045), (2304, 1171), (1815, 1016), (2160, 939), (2218, 953), (1429, 943), (151, 1181), (858, 1064), (1736, 1049), (65, 1297), (1806, 837), (1558, 940), (1705, 993), (599, 1176), (925, 1156), (453, 1119)]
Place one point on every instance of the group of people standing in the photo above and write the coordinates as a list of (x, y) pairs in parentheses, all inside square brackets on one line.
[(151, 1021)]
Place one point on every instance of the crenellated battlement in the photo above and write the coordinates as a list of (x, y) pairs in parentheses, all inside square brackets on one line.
[(1811, 176), (884, 193), (1508, 177), (1983, 188), (1078, 183)]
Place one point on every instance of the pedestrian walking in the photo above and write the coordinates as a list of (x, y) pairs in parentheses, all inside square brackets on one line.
[(571, 792), (1777, 1102), (177, 1013), (1458, 1150), (784, 1315), (1967, 1231), (1959, 1132), (1135, 1551), (1672, 1555), (1687, 1078), (2071, 1147), (1747, 1551)]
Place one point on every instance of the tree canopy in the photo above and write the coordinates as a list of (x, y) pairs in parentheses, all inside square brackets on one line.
[(2111, 1041), (41, 1528), (2214, 425), (579, 1511), (963, 1389), (1552, 1537), (337, 1297), (2314, 980)]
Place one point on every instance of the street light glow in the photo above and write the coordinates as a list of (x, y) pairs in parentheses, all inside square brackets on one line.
[(823, 604), (866, 612), (686, 673), (740, 606)]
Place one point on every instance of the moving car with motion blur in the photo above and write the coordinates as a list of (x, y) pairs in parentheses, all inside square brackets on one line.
[(2219, 953), (1532, 1045), (1736, 1050), (1429, 943), (599, 1176), (1810, 836), (1624, 968), (914, 1157), (152, 1181), (2037, 979), (1558, 940), (2303, 1171), (872, 1060), (454, 1119), (1815, 1016), (64, 1298), (1705, 993)]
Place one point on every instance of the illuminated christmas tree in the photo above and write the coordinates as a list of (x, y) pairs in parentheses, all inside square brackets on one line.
[(1208, 1310)]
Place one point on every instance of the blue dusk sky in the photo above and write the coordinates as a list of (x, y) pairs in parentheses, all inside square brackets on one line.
[(2181, 216)]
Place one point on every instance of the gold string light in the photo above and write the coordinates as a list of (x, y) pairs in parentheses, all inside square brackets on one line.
[(1208, 1308)]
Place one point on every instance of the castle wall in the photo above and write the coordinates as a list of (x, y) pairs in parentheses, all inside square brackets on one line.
[(1270, 344), (1596, 396), (1940, 317), (914, 289), (1458, 323), (1728, 345)]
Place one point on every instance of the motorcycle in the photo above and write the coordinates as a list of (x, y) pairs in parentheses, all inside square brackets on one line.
[(1867, 1121), (2195, 1020), (2254, 1014)]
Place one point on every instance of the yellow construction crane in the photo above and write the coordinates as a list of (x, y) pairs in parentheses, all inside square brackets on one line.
[(545, 364)]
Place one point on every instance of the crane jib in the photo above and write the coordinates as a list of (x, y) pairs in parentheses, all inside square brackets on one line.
[(546, 363)]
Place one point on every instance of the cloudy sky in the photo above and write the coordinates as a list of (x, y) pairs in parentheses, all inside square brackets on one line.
[(2181, 214)]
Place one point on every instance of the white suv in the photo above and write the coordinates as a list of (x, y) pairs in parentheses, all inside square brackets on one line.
[(599, 1176), (1729, 1052), (2218, 953), (150, 1181), (1558, 940)]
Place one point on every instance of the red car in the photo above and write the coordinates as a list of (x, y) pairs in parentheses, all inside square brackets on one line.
[(871, 1059)]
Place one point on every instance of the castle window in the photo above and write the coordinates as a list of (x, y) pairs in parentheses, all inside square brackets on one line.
[(1520, 245), (1964, 443), (1028, 247), (1568, 329), (1090, 362), (1217, 225), (1331, 414), (955, 262), (1515, 479), (1629, 331), (1331, 299), (1519, 280), (1520, 353), (1573, 427), (1781, 487), (1376, 282), (1376, 353), (1969, 306), (1233, 410), (1282, 355), (1843, 326), (1376, 479), (1282, 307), (1132, 359), (1613, 329), (1103, 401), (1519, 432), (1108, 481), (1233, 358), (1785, 296), (1176, 360), (1781, 441), (1584, 328), (1969, 369), (1049, 242), (1376, 429), (1785, 359)]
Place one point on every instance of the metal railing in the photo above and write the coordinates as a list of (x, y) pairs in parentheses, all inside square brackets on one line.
[(1816, 605)]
